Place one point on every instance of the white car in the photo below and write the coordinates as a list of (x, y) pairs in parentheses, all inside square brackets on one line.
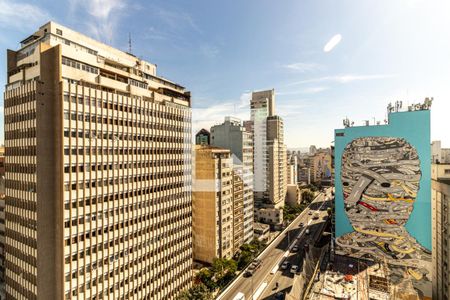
[(294, 269)]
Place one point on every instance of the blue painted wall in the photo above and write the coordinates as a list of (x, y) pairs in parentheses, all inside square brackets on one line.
[(414, 127)]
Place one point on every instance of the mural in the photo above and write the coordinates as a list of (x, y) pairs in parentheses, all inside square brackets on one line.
[(380, 181)]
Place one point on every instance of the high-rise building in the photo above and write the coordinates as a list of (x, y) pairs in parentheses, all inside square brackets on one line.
[(212, 213), (269, 154), (440, 203), (233, 136), (98, 173), (439, 154), (238, 208), (382, 196), (291, 168)]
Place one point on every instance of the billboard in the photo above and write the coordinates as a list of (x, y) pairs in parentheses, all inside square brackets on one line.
[(383, 208)]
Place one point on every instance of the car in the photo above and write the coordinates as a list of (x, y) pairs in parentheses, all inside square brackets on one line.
[(301, 224), (310, 213), (295, 248), (285, 265), (294, 269), (307, 231), (253, 267), (279, 296)]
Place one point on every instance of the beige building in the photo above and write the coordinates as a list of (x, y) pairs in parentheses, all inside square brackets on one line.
[(293, 195), (238, 208), (269, 154), (212, 202), (440, 205), (233, 136), (98, 179)]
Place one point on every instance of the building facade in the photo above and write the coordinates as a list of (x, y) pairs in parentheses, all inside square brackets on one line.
[(269, 152), (382, 195), (440, 189), (98, 173), (233, 136), (202, 137), (213, 207)]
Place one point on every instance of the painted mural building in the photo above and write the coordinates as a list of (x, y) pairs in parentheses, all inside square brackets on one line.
[(383, 209)]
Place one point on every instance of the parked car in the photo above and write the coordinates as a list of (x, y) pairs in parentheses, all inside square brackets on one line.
[(285, 265), (295, 248), (294, 269)]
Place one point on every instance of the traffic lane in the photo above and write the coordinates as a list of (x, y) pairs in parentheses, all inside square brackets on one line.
[(244, 284), (268, 259), (285, 277)]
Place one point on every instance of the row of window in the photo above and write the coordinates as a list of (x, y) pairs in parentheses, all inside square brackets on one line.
[(20, 151), (24, 133), (124, 209), (79, 65), (122, 107), (124, 166), (137, 290), (20, 99), (138, 233), (83, 202), (20, 185), (20, 117), (111, 151), (121, 180), (100, 119), (94, 134)]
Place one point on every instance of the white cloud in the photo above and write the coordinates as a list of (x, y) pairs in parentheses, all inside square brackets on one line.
[(343, 78), (21, 15), (303, 67), (104, 16), (333, 42), (209, 51), (308, 90)]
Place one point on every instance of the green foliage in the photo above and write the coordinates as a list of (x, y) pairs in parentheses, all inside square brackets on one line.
[(205, 276), (198, 291), (307, 196)]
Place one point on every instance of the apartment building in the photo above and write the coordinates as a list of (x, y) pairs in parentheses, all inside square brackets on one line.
[(238, 208), (212, 212), (440, 205), (98, 173), (269, 154), (233, 136)]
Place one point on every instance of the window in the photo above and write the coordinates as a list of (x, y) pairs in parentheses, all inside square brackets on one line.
[(447, 171), (58, 31)]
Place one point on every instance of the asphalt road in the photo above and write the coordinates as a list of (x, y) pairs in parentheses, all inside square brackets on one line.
[(284, 277), (259, 282)]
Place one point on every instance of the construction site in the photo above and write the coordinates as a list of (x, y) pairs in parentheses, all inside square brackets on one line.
[(353, 279)]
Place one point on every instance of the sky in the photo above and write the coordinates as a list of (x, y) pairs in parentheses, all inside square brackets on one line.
[(327, 60)]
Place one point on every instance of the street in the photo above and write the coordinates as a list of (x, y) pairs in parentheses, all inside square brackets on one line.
[(261, 283)]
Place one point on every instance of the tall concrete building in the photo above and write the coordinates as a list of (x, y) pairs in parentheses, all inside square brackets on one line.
[(269, 154), (440, 203), (439, 154), (98, 173), (233, 136), (212, 214)]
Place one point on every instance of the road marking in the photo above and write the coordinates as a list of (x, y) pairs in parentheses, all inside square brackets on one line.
[(275, 269), (259, 291)]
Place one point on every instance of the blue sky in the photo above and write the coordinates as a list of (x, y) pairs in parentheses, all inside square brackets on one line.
[(222, 50)]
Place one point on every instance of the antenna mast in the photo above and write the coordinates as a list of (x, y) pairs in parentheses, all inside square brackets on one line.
[(129, 42)]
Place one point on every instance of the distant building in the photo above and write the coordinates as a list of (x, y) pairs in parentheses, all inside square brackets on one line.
[(212, 202), (439, 154), (233, 136), (291, 168), (203, 137), (262, 232), (312, 150), (269, 153), (293, 195), (440, 184)]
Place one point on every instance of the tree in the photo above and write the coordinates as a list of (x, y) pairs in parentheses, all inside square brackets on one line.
[(205, 276), (198, 291), (307, 196)]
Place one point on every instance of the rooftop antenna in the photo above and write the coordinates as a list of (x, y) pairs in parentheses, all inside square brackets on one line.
[(129, 42)]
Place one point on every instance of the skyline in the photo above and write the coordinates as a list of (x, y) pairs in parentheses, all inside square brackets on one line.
[(364, 56)]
